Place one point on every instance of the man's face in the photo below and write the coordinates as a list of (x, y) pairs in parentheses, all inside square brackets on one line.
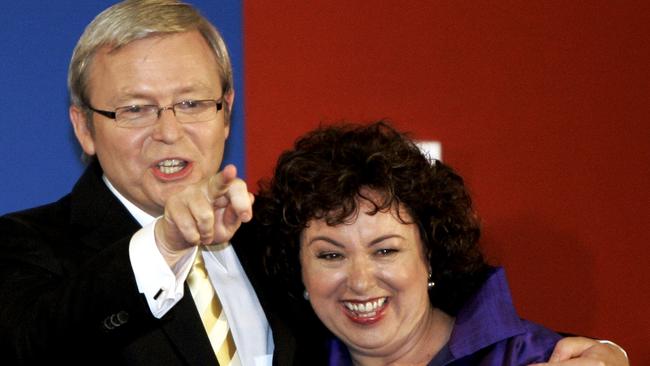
[(149, 164)]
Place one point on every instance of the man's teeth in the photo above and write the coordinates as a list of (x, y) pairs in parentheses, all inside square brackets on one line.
[(171, 166), (365, 309)]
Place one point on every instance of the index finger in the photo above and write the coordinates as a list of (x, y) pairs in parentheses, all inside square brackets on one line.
[(219, 183)]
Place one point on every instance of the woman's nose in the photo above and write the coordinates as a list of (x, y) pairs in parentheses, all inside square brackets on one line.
[(361, 276)]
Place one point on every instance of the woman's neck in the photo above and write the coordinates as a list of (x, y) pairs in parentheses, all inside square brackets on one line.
[(426, 342)]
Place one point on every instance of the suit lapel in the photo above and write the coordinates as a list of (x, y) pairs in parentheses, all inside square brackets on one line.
[(97, 215), (183, 326), (100, 220)]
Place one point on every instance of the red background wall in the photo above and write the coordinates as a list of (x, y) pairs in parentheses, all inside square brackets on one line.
[(542, 106)]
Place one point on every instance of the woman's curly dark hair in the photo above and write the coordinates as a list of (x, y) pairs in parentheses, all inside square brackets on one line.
[(322, 178)]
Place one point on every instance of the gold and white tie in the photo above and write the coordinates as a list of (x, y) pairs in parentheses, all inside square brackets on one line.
[(212, 314)]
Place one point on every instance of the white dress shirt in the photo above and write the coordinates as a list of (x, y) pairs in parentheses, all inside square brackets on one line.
[(162, 286)]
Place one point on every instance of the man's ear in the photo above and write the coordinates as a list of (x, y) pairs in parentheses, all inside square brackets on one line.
[(229, 99), (82, 131)]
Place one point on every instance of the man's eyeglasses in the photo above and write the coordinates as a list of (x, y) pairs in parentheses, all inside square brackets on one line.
[(187, 111)]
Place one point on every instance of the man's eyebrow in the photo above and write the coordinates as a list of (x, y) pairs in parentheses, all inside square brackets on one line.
[(127, 95), (192, 88), (123, 98)]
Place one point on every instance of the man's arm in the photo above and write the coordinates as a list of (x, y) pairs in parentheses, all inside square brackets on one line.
[(581, 351), (208, 212), (55, 306), (205, 213)]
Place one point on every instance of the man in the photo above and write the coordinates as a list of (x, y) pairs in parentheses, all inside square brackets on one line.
[(151, 94), (106, 274)]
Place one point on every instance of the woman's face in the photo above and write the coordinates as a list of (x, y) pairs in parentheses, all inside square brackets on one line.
[(367, 280)]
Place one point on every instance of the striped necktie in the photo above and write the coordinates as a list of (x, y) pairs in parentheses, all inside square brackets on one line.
[(212, 314)]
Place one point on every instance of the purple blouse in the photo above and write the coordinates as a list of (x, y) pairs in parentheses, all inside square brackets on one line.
[(487, 332)]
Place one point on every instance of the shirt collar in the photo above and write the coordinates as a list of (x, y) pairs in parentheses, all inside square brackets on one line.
[(143, 218), (138, 214), (486, 318)]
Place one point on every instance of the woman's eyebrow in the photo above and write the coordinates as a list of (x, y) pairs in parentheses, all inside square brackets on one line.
[(384, 237), (327, 239)]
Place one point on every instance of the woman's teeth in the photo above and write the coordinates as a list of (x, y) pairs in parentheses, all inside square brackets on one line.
[(368, 308)]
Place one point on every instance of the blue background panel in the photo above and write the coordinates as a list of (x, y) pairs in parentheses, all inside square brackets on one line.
[(41, 155)]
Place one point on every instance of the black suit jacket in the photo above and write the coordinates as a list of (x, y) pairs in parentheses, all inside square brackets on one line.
[(67, 291)]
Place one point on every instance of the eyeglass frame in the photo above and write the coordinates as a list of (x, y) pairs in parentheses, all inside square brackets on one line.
[(113, 114)]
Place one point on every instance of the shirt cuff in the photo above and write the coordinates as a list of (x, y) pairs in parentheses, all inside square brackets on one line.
[(161, 286)]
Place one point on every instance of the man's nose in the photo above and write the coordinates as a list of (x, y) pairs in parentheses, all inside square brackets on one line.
[(167, 128)]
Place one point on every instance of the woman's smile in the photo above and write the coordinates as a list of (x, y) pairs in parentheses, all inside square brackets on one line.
[(366, 312)]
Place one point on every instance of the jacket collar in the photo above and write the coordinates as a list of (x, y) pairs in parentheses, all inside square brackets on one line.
[(96, 212), (486, 318)]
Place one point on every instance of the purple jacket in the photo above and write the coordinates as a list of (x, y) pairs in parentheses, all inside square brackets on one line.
[(487, 332)]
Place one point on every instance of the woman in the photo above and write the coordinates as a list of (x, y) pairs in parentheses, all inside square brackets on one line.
[(385, 242)]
